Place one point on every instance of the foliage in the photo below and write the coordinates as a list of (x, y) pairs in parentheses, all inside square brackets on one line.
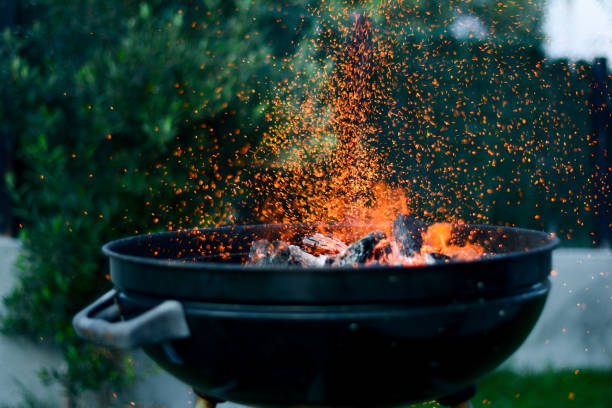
[(506, 135), (515, 23), (109, 104)]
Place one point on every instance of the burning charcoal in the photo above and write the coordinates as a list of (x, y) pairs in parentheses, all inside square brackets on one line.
[(360, 250), (329, 259), (436, 258), (264, 252), (300, 257), (382, 251), (280, 253), (407, 231), (323, 243)]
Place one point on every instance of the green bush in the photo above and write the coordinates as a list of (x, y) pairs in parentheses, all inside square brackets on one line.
[(116, 109)]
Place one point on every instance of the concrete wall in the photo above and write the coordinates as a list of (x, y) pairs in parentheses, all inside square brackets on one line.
[(21, 359), (574, 331)]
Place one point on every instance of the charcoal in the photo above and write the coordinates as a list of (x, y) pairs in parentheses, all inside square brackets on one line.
[(407, 231), (361, 250), (329, 259), (303, 258), (264, 252), (381, 252), (323, 243), (437, 258)]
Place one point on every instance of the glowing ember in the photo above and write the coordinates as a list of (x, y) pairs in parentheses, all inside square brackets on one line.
[(384, 112), (437, 239), (322, 160), (413, 244)]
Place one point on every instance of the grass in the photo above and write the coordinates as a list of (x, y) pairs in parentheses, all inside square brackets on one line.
[(558, 389)]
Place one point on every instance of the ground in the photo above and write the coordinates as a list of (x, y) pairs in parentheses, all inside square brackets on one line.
[(558, 389)]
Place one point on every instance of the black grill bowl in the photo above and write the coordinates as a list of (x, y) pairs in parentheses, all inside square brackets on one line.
[(346, 337)]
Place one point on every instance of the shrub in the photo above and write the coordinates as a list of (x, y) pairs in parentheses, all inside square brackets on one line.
[(114, 107)]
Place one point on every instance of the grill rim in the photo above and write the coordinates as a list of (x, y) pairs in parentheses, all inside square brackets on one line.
[(226, 283), (109, 249)]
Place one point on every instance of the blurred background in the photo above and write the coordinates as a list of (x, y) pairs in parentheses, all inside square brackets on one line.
[(127, 117)]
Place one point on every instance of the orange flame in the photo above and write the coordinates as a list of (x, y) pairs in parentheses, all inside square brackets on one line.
[(394, 257), (438, 238)]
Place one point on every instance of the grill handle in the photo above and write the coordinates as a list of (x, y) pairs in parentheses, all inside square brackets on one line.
[(100, 323)]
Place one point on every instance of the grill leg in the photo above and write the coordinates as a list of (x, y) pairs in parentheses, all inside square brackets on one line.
[(460, 399), (466, 404)]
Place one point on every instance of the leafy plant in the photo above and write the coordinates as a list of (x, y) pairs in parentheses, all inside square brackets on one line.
[(113, 108)]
